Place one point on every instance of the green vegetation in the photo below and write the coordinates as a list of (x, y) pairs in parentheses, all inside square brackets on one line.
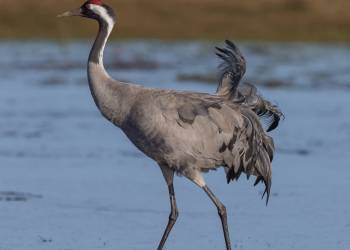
[(281, 20)]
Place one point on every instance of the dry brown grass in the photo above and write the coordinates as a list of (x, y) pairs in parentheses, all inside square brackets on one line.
[(186, 19)]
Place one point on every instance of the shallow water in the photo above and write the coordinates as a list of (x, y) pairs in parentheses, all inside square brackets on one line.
[(70, 180)]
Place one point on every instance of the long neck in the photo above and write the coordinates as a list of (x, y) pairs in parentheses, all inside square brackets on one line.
[(109, 95), (96, 53)]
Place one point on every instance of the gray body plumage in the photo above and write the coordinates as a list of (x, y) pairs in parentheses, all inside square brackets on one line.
[(193, 133), (187, 133)]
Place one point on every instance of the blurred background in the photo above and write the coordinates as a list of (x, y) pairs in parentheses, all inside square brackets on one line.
[(283, 20), (70, 180)]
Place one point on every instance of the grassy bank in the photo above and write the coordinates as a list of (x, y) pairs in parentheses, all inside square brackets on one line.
[(282, 20)]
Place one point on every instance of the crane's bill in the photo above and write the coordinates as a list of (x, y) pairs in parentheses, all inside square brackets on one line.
[(75, 12)]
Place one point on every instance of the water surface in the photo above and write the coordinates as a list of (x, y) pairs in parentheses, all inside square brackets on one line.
[(71, 180)]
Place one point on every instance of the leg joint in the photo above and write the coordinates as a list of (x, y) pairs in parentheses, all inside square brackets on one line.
[(222, 210), (174, 215)]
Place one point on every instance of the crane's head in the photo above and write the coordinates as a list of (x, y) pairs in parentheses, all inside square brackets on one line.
[(93, 9)]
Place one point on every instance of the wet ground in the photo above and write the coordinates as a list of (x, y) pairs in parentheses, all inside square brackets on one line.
[(69, 180)]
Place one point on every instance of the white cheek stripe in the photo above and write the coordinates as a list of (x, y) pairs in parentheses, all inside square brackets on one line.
[(102, 12)]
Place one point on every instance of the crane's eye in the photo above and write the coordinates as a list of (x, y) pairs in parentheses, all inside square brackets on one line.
[(86, 11)]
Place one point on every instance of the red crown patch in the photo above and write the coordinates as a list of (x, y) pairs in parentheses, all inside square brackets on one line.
[(97, 2)]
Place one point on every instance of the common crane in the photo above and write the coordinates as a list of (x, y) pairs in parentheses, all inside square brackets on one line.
[(187, 133)]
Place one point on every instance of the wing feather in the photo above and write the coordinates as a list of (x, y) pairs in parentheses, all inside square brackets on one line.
[(231, 71)]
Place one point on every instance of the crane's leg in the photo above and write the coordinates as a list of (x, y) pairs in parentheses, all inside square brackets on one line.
[(197, 178), (222, 213), (169, 176)]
